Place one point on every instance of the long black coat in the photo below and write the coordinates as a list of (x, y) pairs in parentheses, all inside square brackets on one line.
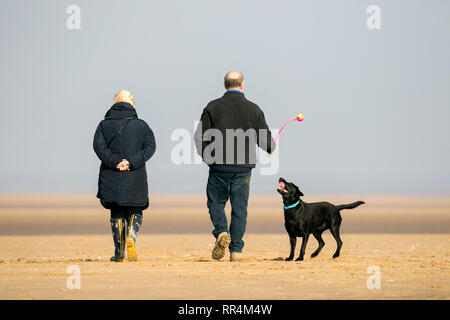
[(136, 143)]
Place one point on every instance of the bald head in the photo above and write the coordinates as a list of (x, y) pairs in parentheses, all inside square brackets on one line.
[(234, 80)]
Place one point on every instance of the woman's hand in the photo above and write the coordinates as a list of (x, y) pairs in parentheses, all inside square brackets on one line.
[(124, 165)]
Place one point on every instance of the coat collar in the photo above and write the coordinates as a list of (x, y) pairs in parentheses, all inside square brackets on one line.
[(121, 110), (233, 92)]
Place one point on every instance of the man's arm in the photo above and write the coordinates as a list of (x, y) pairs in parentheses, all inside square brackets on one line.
[(264, 136), (103, 152), (203, 125), (148, 149)]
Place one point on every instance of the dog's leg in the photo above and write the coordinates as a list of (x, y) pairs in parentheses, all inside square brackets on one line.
[(303, 248), (335, 232), (293, 241), (318, 236)]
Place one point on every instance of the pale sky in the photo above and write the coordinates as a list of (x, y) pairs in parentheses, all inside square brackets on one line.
[(376, 102)]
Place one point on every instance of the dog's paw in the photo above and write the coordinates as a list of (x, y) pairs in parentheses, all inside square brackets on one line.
[(288, 259), (314, 254), (335, 256), (299, 259)]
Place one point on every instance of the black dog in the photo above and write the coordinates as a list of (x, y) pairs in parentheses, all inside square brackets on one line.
[(301, 219)]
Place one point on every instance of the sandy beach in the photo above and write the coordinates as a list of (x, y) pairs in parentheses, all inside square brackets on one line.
[(40, 237)]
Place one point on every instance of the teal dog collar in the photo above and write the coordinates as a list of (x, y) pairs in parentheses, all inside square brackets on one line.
[(292, 205)]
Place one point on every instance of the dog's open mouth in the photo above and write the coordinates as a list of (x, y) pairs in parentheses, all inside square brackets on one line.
[(282, 186)]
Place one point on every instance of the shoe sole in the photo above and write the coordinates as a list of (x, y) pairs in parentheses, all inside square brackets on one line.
[(220, 248), (236, 259), (131, 250)]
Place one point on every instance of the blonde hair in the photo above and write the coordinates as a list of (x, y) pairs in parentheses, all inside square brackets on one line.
[(124, 96)]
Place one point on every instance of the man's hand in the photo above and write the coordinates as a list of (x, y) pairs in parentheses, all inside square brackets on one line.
[(124, 165)]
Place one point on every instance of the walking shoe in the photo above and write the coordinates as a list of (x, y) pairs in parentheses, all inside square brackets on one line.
[(222, 242), (134, 223), (235, 256), (118, 231)]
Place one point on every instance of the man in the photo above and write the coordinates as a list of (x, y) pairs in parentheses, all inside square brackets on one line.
[(226, 138)]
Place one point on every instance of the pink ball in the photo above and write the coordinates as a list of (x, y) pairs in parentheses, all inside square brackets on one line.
[(300, 117)]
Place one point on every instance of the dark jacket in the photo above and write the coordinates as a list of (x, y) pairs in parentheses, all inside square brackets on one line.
[(233, 111), (135, 143)]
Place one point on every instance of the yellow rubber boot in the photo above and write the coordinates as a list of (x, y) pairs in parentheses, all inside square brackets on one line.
[(134, 224)]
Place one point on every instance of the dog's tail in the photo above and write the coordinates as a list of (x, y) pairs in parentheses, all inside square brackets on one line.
[(350, 206)]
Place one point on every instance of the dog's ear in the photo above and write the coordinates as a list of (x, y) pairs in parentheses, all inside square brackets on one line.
[(298, 193)]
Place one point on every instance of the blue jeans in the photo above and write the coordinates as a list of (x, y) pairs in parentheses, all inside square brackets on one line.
[(236, 187)]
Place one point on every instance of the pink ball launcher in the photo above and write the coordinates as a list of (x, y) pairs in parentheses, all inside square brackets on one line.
[(299, 117)]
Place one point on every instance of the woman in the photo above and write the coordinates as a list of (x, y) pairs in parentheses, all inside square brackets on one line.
[(124, 143)]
